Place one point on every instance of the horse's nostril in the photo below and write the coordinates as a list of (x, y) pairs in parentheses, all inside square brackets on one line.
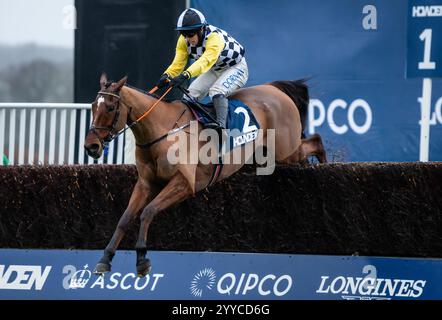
[(93, 148)]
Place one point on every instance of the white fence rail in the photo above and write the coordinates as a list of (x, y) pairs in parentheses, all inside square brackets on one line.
[(50, 133)]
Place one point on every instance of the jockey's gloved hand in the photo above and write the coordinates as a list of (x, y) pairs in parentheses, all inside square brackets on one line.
[(178, 81), (164, 81)]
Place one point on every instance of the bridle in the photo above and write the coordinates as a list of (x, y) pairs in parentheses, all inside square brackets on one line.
[(111, 128), (112, 134)]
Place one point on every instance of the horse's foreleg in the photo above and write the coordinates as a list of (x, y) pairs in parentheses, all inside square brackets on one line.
[(309, 147), (174, 192), (317, 148), (141, 195)]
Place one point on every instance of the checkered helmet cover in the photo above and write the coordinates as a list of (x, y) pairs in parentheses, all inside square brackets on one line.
[(190, 19)]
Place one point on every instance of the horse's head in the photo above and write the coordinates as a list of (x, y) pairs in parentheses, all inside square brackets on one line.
[(109, 115)]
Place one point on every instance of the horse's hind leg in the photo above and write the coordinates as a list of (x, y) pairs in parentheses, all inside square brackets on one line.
[(174, 192), (141, 194), (309, 147)]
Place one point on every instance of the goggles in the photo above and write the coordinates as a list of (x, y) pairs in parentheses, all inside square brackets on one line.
[(188, 33)]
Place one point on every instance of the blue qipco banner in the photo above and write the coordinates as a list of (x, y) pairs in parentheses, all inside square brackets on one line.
[(356, 53), (63, 274)]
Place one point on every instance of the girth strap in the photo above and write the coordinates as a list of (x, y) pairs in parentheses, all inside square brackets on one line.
[(216, 173), (150, 144)]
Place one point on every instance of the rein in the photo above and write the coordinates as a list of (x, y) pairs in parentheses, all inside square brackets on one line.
[(144, 115), (111, 136)]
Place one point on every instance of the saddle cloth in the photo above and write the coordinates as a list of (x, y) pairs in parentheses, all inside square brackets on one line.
[(242, 126)]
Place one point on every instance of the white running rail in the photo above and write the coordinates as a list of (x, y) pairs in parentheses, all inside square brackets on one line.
[(50, 133)]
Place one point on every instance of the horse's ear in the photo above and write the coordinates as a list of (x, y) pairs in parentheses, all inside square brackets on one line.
[(120, 84), (103, 80)]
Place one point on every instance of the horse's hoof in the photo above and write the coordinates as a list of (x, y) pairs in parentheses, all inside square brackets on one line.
[(102, 268), (143, 268)]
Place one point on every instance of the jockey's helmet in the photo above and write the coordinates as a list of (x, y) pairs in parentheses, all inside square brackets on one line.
[(190, 19)]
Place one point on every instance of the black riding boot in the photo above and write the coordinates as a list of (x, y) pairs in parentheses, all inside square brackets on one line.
[(221, 105)]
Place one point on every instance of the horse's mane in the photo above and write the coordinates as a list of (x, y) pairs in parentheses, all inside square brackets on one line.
[(156, 96)]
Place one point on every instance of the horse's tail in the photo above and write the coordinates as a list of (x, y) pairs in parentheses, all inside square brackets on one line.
[(297, 90)]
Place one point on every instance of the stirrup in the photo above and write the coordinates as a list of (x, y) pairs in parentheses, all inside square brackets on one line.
[(213, 125)]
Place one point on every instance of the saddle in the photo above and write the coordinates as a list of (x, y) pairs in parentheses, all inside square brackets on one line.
[(241, 126), (239, 115)]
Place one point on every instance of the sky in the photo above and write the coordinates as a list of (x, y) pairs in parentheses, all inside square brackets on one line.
[(44, 22)]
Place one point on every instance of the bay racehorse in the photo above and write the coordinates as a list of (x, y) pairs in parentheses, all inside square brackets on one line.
[(280, 105)]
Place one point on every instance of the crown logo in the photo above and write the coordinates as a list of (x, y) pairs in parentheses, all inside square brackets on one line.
[(80, 278)]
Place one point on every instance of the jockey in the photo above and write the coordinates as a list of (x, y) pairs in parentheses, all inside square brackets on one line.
[(219, 63)]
